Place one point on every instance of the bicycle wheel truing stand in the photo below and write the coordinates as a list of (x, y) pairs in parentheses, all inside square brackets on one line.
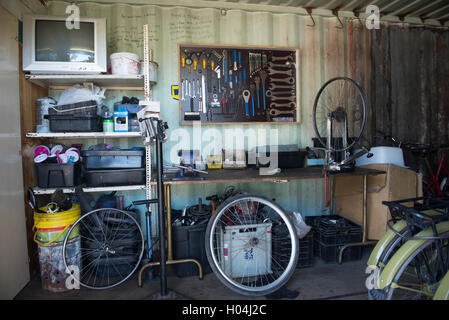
[(155, 131)]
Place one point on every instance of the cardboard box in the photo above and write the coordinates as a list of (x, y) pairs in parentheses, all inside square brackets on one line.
[(398, 183)]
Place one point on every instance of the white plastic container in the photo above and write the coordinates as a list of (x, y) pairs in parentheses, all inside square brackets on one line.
[(125, 63), (382, 155)]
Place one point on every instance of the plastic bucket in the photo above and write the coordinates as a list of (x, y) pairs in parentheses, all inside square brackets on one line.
[(382, 155), (125, 63), (53, 227)]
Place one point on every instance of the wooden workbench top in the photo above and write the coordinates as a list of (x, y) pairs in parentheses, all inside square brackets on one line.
[(252, 175)]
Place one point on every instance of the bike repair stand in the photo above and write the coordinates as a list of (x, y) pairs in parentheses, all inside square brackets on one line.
[(154, 131)]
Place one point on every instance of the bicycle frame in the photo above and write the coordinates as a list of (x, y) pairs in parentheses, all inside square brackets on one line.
[(401, 257), (433, 182), (442, 292)]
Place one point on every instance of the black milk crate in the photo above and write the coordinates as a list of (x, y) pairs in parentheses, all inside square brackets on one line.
[(305, 258), (331, 233)]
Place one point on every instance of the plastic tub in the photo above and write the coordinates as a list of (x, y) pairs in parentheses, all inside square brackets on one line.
[(125, 63), (113, 159), (382, 155), (55, 175), (70, 123), (105, 178)]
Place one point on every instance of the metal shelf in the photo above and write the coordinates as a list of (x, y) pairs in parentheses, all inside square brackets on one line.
[(83, 135), (41, 191), (107, 81)]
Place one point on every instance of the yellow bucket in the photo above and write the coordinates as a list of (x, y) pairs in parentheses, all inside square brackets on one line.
[(53, 227)]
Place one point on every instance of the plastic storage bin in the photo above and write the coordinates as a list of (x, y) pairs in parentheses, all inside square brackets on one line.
[(72, 123), (188, 243), (305, 258), (113, 159), (55, 175), (105, 178), (330, 234), (85, 108)]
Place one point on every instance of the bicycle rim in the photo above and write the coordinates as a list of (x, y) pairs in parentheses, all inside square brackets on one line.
[(420, 275), (110, 248), (251, 245), (346, 101)]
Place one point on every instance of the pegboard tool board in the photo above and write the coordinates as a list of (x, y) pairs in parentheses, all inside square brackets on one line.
[(222, 84)]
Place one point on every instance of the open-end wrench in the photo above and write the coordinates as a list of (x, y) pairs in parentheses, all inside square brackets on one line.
[(270, 93), (289, 57), (277, 112), (283, 105), (246, 95), (291, 98), (263, 77), (289, 80), (284, 72), (194, 90), (273, 86), (278, 65)]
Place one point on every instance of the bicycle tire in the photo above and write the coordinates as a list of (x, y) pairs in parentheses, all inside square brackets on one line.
[(111, 244), (364, 112), (273, 257)]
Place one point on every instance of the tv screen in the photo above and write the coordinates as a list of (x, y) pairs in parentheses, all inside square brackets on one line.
[(55, 42)]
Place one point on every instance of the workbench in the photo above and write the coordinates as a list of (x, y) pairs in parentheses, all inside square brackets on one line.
[(252, 175)]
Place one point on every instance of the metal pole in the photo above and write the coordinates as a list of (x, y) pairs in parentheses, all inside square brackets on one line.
[(160, 195), (365, 192)]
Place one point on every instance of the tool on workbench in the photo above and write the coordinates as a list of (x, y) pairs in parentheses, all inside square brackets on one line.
[(234, 159), (192, 115), (263, 77), (246, 95), (187, 161), (214, 162), (252, 89)]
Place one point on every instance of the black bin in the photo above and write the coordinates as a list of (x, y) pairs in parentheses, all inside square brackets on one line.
[(189, 243), (331, 233), (57, 175)]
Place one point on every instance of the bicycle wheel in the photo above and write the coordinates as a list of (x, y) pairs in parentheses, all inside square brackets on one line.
[(344, 101), (251, 245), (419, 277), (111, 246)]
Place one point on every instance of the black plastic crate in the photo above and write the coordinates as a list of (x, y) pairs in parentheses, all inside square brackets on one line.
[(71, 123), (56, 175), (331, 233), (106, 178), (113, 159), (305, 258), (330, 253), (84, 108), (189, 243)]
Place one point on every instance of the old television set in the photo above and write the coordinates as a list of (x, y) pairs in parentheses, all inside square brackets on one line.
[(53, 46)]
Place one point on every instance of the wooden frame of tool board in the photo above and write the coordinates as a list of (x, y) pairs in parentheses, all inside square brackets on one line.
[(225, 101)]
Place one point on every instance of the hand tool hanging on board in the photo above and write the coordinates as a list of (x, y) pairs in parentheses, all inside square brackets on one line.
[(218, 72), (289, 57), (252, 89), (277, 112), (263, 77), (246, 95), (235, 60), (192, 115), (257, 81), (230, 79), (291, 105), (204, 96), (225, 66)]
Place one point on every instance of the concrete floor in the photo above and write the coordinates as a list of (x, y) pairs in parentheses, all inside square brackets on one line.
[(322, 281)]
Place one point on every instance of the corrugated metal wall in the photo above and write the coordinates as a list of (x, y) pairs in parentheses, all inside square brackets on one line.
[(403, 78)]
